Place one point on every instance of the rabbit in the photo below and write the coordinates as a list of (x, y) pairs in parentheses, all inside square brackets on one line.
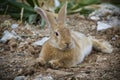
[(66, 48)]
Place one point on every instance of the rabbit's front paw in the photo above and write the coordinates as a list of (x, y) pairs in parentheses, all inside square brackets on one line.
[(40, 61), (55, 64)]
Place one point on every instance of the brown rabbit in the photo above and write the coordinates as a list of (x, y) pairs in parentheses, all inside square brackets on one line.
[(66, 48)]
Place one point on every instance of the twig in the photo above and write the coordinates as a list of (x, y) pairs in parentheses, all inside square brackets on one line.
[(73, 74), (6, 10), (21, 14)]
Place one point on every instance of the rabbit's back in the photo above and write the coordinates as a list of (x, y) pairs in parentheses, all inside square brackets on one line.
[(84, 45)]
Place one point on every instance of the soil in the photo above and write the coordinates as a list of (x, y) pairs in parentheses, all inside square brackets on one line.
[(17, 57)]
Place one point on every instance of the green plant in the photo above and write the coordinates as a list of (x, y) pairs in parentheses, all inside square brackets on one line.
[(23, 10), (28, 10), (85, 12), (79, 7)]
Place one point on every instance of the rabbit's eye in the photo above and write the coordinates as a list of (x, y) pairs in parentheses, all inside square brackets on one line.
[(56, 33)]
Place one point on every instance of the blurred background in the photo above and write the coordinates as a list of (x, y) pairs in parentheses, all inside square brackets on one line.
[(24, 9)]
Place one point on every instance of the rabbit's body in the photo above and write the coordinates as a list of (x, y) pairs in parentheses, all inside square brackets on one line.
[(70, 57), (66, 48)]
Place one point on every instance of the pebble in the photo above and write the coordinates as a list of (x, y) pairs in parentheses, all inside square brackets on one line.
[(40, 42), (113, 38), (20, 78), (95, 18), (21, 54), (13, 26), (40, 77), (102, 25)]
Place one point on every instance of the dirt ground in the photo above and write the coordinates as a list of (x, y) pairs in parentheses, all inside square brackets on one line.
[(17, 56)]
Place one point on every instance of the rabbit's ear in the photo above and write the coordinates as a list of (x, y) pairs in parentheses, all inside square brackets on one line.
[(62, 14), (47, 16)]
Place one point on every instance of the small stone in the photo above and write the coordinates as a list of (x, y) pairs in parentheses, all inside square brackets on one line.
[(113, 38), (47, 78), (95, 18), (9, 35), (6, 36), (20, 78), (102, 25), (93, 27), (101, 59), (14, 26), (21, 54), (116, 36), (40, 77), (40, 42)]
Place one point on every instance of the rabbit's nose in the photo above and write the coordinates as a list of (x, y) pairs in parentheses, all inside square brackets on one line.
[(67, 45)]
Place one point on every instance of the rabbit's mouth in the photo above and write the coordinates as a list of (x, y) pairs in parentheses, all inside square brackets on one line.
[(66, 47)]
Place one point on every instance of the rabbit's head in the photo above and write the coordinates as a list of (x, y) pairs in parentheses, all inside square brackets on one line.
[(60, 35)]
